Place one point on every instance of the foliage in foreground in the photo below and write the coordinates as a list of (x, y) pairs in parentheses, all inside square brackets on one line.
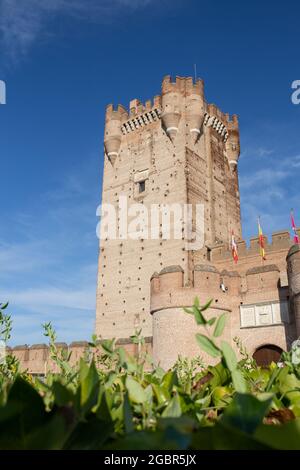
[(115, 401)]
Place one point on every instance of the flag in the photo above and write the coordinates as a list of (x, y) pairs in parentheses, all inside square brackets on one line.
[(234, 249), (261, 242), (296, 237)]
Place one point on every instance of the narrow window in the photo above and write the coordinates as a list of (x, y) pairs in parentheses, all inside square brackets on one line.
[(142, 186)]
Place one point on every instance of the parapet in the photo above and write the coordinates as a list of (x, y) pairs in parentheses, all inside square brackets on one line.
[(280, 241), (183, 85), (36, 358), (118, 112), (168, 108), (168, 289), (263, 269)]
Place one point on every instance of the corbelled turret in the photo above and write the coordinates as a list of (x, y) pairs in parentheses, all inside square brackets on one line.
[(195, 107), (171, 106), (233, 142), (113, 132)]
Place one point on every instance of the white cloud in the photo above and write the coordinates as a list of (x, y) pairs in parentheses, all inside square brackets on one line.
[(264, 152), (40, 298), (267, 177), (23, 22)]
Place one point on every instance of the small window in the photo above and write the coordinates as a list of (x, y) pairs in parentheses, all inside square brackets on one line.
[(142, 186)]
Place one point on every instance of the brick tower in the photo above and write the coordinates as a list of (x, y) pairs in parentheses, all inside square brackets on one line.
[(176, 149)]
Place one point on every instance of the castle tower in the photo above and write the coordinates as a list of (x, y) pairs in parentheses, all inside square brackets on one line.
[(293, 268), (177, 149)]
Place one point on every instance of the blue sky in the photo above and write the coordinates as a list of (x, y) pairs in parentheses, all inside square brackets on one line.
[(63, 61)]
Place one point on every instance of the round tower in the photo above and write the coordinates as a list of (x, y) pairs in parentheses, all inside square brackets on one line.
[(113, 132), (293, 269), (171, 106), (174, 331)]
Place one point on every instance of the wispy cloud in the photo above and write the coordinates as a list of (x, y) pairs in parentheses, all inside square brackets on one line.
[(23, 22)]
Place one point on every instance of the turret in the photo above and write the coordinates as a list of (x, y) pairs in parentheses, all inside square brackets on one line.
[(233, 142), (174, 330), (171, 106), (194, 107), (293, 269), (113, 132)]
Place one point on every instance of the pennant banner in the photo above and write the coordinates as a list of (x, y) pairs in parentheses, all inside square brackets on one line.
[(261, 242), (234, 249), (296, 237)]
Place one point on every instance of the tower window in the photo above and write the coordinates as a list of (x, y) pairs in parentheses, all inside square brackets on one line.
[(142, 186)]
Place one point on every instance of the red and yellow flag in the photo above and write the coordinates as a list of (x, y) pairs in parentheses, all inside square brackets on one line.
[(234, 249), (261, 242)]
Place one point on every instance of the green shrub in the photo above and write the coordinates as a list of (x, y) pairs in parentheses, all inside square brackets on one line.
[(112, 400)]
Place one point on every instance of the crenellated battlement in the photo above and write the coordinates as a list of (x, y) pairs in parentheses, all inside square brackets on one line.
[(36, 358), (168, 289), (184, 85), (281, 241), (116, 112), (169, 108)]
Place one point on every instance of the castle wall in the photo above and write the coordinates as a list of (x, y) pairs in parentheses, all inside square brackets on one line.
[(254, 296), (36, 359)]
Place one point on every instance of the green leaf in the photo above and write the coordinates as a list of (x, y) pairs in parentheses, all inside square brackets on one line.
[(108, 345), (238, 381), (207, 345), (206, 306), (62, 395), (135, 391), (229, 356), (89, 383), (25, 424), (245, 412), (170, 380), (200, 320), (220, 325), (211, 321), (173, 410), (128, 415), (4, 306), (104, 404), (283, 437), (196, 302), (162, 395), (290, 387), (91, 435), (221, 375), (189, 310)]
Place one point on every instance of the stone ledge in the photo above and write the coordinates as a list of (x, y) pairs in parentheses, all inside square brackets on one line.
[(172, 269), (263, 269), (206, 268)]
